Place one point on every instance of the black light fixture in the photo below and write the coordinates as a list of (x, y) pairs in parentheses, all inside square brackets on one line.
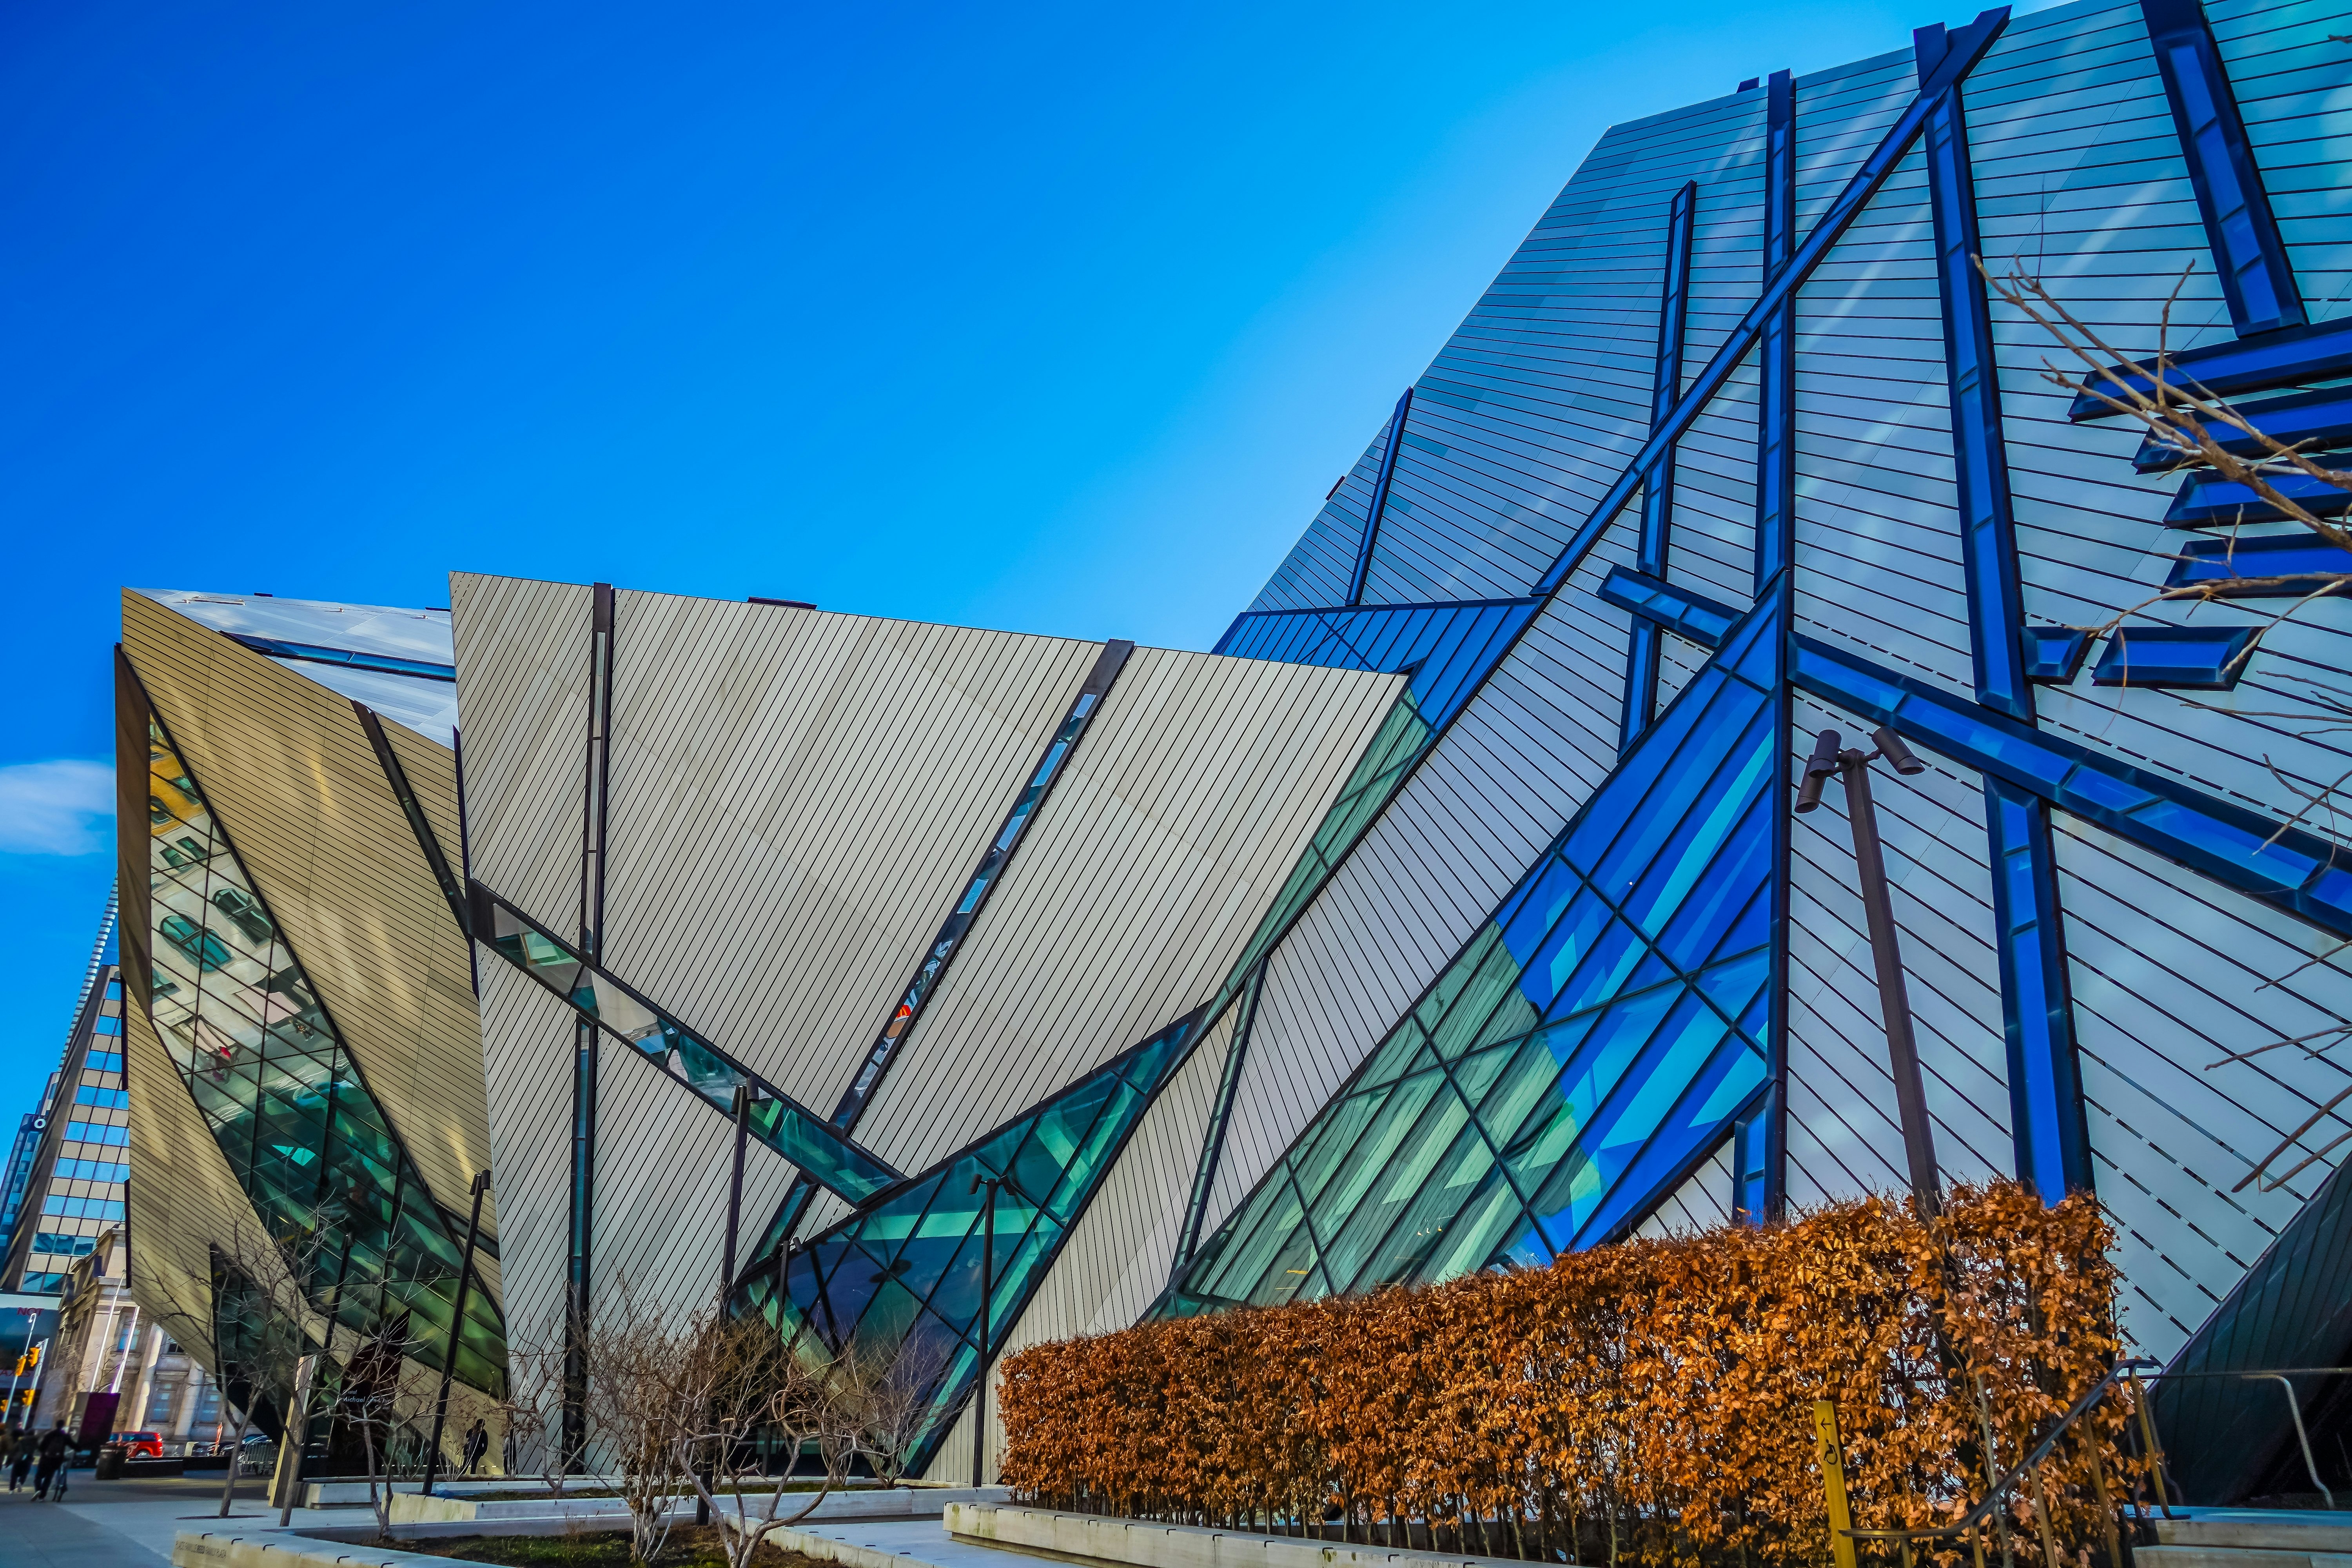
[(1832, 756)]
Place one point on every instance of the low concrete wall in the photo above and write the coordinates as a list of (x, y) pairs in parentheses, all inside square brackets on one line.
[(1090, 1538), (898, 1503), (205, 1549), (825, 1549), (341, 1491)]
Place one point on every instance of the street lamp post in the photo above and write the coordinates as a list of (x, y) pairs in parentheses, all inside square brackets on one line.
[(987, 1311), (734, 1222), (1830, 756), (456, 1326)]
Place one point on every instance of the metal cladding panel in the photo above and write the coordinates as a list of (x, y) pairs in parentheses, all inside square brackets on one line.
[(1702, 1202), (2080, 181), (1494, 792), (1843, 1138), (184, 1197), (1528, 412), (798, 800), (527, 1037), (289, 772), (1199, 781), (1116, 1260), (1316, 572), (523, 676), (1878, 546), (663, 1165), (2287, 75), (2172, 976)]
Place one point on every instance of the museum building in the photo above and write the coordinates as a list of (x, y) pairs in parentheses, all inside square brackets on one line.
[(1457, 910)]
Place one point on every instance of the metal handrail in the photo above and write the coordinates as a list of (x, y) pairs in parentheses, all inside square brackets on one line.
[(1977, 1516), (2280, 1375)]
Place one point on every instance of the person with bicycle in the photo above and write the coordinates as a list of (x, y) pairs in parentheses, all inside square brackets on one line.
[(55, 1447)]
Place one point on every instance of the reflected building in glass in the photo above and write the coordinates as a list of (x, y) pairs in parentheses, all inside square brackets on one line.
[(1453, 912)]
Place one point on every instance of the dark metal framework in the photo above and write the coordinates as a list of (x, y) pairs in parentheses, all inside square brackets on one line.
[(1776, 578), (1212, 1147), (428, 844), (597, 777), (1380, 502), (1658, 485)]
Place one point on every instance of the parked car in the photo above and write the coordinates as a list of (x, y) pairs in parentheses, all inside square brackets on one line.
[(141, 1445)]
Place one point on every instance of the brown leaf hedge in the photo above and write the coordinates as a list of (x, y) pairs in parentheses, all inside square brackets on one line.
[(1650, 1400)]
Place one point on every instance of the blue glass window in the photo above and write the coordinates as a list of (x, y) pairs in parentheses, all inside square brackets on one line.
[(2203, 659), (2255, 276), (97, 1133), (106, 1099), (1580, 1055), (2290, 555), (311, 653), (2314, 420), (2321, 351), (2054, 653)]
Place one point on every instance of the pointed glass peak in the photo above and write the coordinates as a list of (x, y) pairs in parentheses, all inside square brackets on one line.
[(905, 1270)]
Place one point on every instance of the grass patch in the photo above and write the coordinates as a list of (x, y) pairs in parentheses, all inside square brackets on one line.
[(689, 1547)]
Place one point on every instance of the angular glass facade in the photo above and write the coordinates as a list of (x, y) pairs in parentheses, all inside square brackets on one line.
[(257, 1053), (908, 1265), (1444, 651), (785, 1125), (1600, 1033)]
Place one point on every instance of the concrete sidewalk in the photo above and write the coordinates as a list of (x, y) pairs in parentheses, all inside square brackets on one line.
[(130, 1523), (924, 1540)]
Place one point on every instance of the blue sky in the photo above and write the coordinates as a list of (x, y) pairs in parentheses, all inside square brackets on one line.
[(1049, 318)]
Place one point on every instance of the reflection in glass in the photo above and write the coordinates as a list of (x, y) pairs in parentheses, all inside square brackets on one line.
[(1601, 1033), (307, 1143), (909, 1266), (783, 1124)]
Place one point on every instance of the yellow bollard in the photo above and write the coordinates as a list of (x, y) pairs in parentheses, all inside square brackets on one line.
[(1832, 1460)]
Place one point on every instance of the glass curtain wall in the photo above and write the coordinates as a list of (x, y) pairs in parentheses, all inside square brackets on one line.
[(1597, 1037), (308, 1145), (905, 1269)]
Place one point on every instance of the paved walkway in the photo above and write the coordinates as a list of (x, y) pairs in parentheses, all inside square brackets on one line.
[(130, 1524), (926, 1539)]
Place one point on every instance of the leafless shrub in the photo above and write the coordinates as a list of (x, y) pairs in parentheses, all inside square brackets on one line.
[(892, 1400), (678, 1402)]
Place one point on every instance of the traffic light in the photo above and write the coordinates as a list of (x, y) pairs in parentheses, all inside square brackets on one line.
[(28, 1360)]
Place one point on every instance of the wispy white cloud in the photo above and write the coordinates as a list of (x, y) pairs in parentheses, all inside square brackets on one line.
[(55, 808)]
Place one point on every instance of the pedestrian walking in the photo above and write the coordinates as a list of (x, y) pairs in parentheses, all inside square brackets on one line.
[(478, 1443), (54, 1446), (13, 1443)]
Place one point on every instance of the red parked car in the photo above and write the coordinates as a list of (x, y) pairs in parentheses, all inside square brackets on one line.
[(141, 1445)]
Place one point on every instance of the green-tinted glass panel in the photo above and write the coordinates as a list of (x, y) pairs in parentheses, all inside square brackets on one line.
[(1579, 1122), (308, 1143), (914, 1266)]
